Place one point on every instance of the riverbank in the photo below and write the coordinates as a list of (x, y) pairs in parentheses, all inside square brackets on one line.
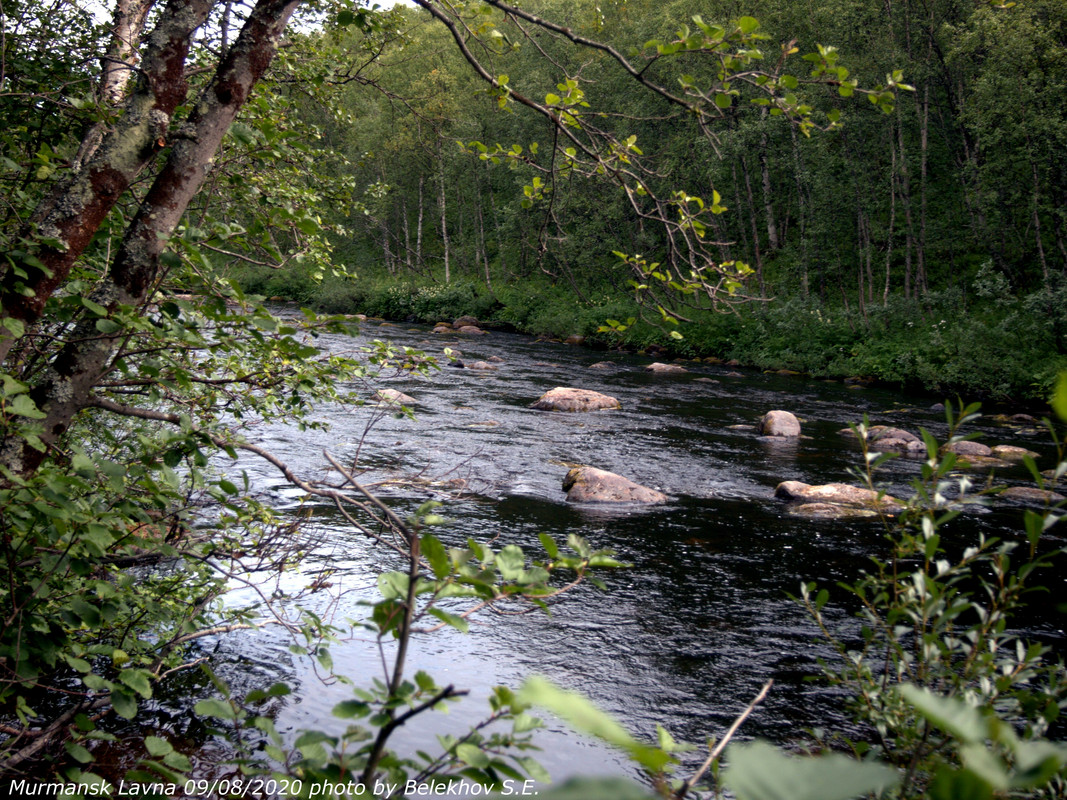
[(1005, 348)]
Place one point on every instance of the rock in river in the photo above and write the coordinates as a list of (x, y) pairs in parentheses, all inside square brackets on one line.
[(968, 448), (592, 485), (838, 494), (1010, 452), (1031, 495), (779, 423), (394, 398), (565, 399), (664, 368)]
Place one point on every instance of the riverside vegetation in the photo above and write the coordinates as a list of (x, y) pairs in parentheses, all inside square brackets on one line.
[(134, 370), (920, 243)]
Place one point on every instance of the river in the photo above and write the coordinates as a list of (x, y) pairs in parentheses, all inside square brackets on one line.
[(684, 638)]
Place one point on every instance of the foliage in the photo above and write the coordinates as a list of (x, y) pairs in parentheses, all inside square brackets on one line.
[(956, 699)]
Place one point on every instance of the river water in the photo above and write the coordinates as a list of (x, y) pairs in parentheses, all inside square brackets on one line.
[(689, 634)]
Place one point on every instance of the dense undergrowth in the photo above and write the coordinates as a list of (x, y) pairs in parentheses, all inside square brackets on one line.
[(982, 342)]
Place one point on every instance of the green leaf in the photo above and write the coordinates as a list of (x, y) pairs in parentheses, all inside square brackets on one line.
[(748, 25), (1059, 400), (347, 709), (157, 747), (22, 405), (472, 754), (96, 308), (759, 771), (585, 717), (78, 753), (124, 703), (437, 555), (510, 561), (955, 717), (213, 707), (455, 621), (393, 585), (138, 680)]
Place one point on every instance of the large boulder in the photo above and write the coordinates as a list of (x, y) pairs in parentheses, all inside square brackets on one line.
[(840, 494), (592, 485), (566, 399), (779, 423), (470, 330), (465, 321)]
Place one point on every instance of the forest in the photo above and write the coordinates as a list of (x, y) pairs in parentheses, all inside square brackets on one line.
[(201, 434), (920, 242)]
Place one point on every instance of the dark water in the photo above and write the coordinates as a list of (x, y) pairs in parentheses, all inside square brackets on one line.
[(688, 635)]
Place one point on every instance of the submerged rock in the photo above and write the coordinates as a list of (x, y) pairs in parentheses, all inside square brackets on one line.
[(830, 511), (1031, 495), (393, 397), (482, 365), (471, 330), (779, 423), (592, 485), (574, 338), (968, 448), (566, 399), (839, 494), (1012, 453), (660, 367)]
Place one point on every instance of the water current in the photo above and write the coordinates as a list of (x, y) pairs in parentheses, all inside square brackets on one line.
[(685, 637)]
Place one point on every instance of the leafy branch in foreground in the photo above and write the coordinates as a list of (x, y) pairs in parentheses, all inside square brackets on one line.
[(936, 643), (705, 76)]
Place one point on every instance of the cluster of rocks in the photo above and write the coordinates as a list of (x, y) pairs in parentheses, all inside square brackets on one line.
[(586, 484), (466, 325)]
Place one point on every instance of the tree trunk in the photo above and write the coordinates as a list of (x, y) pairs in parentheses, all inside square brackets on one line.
[(768, 206), (444, 216), (407, 232), (67, 384), (924, 153), (1035, 201), (66, 221), (117, 67), (892, 222), (802, 214), (418, 225), (755, 226), (905, 201)]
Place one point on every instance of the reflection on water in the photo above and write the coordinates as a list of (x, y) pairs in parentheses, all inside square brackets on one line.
[(689, 634)]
